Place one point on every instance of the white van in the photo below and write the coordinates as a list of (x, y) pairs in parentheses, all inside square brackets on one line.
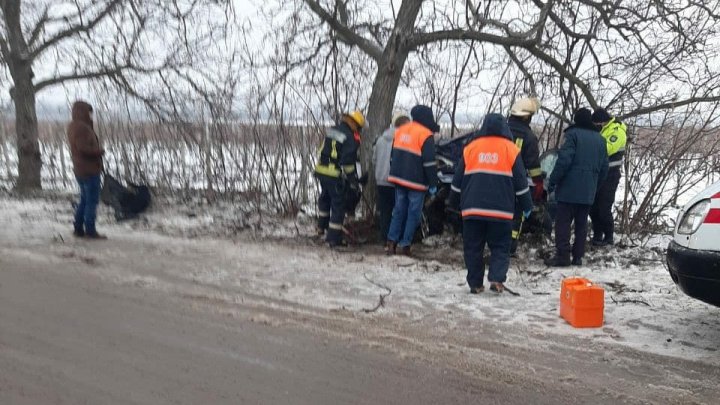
[(693, 257)]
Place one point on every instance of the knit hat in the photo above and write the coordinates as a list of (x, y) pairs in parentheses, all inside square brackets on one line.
[(423, 115), (583, 118), (600, 116)]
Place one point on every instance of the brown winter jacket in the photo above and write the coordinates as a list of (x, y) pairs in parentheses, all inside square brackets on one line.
[(84, 144)]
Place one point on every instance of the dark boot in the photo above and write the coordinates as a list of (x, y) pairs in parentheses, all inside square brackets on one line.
[(577, 261), (557, 261), (390, 248), (405, 251), (79, 232), (95, 236), (477, 290)]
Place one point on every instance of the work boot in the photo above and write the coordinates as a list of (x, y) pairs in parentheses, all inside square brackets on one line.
[(477, 290), (598, 243), (79, 233), (577, 261), (405, 251), (609, 241), (342, 243), (95, 236), (557, 261), (497, 287), (390, 248)]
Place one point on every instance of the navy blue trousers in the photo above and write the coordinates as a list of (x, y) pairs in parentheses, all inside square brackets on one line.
[(331, 208), (601, 214), (566, 215), (498, 236)]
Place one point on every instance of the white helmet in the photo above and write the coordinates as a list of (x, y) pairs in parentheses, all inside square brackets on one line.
[(525, 106)]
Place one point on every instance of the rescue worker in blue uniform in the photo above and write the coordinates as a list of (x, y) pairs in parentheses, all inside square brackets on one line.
[(337, 173), (615, 134), (581, 167), (488, 180), (521, 115), (413, 171)]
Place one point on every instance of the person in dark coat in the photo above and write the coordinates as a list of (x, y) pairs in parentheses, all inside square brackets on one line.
[(337, 173), (87, 158), (413, 171), (491, 161), (581, 166)]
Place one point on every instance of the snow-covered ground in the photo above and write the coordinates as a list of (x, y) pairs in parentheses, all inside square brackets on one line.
[(278, 258)]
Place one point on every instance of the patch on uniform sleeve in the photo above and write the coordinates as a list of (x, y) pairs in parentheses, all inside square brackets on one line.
[(613, 138)]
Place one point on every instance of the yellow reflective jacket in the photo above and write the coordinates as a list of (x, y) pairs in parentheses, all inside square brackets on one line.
[(615, 134)]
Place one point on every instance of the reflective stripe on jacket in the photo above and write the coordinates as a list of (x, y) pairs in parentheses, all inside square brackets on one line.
[(615, 134), (528, 143), (339, 151), (413, 162)]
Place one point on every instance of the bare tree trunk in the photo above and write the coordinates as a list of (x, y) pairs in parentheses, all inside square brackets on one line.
[(387, 81), (26, 124)]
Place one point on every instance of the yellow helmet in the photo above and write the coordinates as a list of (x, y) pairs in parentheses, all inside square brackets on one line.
[(525, 106), (358, 117)]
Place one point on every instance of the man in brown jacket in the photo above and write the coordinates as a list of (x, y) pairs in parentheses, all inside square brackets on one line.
[(87, 157)]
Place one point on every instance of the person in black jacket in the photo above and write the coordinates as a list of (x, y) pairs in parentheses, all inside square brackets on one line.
[(521, 115), (337, 173), (581, 166)]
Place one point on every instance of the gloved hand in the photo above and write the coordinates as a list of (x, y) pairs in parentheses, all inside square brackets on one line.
[(364, 179), (538, 190), (551, 188), (526, 214), (432, 190)]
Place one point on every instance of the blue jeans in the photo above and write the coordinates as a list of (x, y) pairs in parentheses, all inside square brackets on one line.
[(406, 215), (87, 208)]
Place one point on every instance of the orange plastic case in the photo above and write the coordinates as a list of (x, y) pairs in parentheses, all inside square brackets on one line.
[(582, 303)]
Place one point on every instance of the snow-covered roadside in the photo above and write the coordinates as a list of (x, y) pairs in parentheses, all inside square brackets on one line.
[(297, 270)]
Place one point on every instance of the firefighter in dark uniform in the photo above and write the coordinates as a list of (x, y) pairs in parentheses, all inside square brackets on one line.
[(521, 115), (490, 162), (337, 173), (615, 134)]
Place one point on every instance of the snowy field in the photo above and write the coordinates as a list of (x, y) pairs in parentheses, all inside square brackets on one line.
[(278, 258)]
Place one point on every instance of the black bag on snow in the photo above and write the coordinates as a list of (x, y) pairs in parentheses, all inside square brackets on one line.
[(128, 201)]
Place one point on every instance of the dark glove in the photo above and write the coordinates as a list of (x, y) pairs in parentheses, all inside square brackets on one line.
[(551, 188), (364, 179), (432, 190)]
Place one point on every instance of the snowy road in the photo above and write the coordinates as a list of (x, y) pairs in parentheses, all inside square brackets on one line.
[(146, 318)]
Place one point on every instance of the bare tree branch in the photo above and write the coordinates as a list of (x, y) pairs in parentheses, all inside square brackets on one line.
[(346, 34), (670, 106), (77, 28)]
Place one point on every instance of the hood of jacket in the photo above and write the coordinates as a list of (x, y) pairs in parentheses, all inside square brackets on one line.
[(493, 125), (81, 112)]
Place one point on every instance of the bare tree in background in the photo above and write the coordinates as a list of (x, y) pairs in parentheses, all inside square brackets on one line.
[(122, 41)]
